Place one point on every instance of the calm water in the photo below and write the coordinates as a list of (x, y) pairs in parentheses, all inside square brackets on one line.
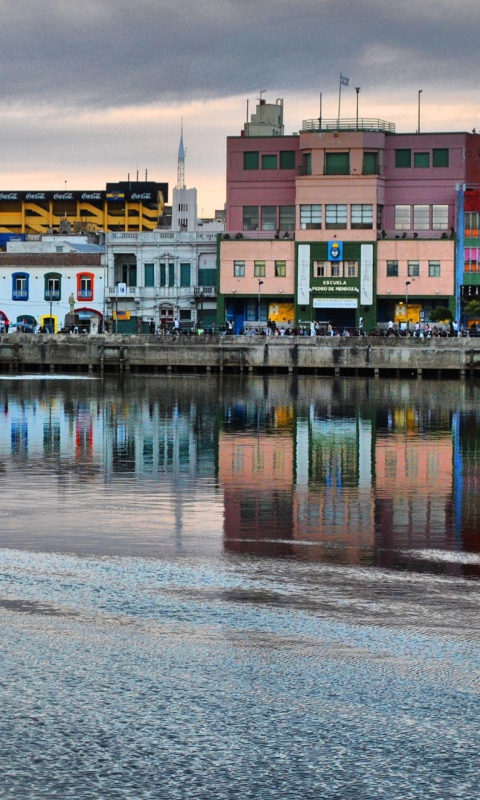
[(239, 588)]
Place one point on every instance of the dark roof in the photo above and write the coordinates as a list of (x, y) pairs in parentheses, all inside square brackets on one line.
[(50, 259)]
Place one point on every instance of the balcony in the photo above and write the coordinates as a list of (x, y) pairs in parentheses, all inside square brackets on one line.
[(20, 294), (236, 235), (84, 294), (129, 291), (52, 294), (393, 234), (363, 124), (205, 291), (148, 237)]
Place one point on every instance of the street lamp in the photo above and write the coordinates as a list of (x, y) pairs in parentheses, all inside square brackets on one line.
[(357, 89), (407, 284), (260, 283), (49, 295), (419, 93)]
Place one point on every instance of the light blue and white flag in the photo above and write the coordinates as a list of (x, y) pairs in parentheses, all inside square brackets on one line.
[(343, 80)]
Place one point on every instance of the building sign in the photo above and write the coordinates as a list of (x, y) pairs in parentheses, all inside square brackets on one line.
[(303, 293), (366, 274), (113, 195), (331, 302), (335, 251), (121, 315), (469, 292), (335, 285)]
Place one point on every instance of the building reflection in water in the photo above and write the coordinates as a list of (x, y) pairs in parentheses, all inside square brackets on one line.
[(338, 471)]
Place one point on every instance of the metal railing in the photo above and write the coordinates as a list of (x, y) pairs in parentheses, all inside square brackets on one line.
[(162, 236), (362, 124)]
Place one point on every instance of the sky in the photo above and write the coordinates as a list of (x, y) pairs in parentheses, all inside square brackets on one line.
[(92, 91)]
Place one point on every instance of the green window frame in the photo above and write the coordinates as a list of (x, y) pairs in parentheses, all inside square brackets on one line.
[(287, 218), (434, 269), (149, 275), (280, 269), (441, 157), (52, 286), (421, 160), (370, 164), (163, 275), (171, 275), (287, 159), (413, 269), (403, 158), (337, 163), (392, 269), (207, 277), (269, 218), (259, 269), (269, 161), (185, 275), (239, 269), (251, 159), (306, 163), (403, 216), (250, 218)]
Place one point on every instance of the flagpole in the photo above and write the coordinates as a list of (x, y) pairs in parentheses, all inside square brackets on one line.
[(339, 99), (320, 117)]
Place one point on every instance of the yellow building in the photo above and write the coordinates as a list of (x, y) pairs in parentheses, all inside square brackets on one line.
[(123, 206)]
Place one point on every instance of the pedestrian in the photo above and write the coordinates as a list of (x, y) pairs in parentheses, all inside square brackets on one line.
[(360, 326), (151, 326)]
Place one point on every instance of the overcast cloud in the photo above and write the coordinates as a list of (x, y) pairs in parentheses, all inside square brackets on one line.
[(66, 66)]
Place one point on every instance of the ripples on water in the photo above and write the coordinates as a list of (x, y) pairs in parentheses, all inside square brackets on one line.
[(157, 648)]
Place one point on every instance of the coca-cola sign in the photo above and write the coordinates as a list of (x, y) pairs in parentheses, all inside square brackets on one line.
[(92, 196), (63, 196), (141, 196), (35, 196), (9, 196)]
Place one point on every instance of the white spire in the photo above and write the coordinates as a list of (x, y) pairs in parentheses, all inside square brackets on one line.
[(181, 162)]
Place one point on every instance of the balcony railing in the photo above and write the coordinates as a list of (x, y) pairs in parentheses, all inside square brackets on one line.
[(52, 294), (85, 294), (205, 291), (258, 235), (20, 294), (363, 124), (161, 236), (130, 290)]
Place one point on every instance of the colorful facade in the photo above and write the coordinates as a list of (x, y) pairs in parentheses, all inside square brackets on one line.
[(360, 219), (122, 206)]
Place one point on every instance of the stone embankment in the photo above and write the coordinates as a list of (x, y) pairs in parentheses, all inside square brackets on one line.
[(402, 357)]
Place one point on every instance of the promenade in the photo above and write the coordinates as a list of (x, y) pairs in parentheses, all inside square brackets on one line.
[(350, 356)]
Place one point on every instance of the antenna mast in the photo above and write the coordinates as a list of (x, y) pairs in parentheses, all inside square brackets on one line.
[(181, 163)]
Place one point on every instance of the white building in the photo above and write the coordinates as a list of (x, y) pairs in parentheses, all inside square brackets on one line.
[(46, 277), (167, 273)]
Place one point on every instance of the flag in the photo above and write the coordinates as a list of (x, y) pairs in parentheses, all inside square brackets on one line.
[(343, 80)]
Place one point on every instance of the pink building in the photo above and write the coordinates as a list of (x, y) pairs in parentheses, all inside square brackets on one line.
[(368, 214)]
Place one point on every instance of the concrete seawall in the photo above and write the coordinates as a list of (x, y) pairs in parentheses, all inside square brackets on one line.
[(21, 353)]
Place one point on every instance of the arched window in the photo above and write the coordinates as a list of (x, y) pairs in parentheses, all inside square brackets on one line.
[(53, 286), (85, 286), (20, 282)]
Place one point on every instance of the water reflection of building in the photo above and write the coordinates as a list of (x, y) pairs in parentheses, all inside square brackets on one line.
[(334, 505), (414, 454), (256, 473)]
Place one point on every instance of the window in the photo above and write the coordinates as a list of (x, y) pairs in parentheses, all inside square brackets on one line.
[(472, 260), (207, 277), (185, 275), (310, 217), (269, 162), (337, 163), (351, 269), (287, 159), (287, 218), (335, 216), (392, 269), (402, 218), (149, 274), (280, 269), (251, 310), (439, 218), (269, 218), (259, 269), (250, 218), (250, 160), (336, 269), (20, 286), (472, 223), (85, 286), (171, 275), (163, 274), (440, 157), (379, 217), (403, 158), (306, 164), (239, 269), (321, 269), (185, 315), (421, 218), (413, 269), (53, 283), (421, 160), (434, 269), (370, 164), (361, 215)]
